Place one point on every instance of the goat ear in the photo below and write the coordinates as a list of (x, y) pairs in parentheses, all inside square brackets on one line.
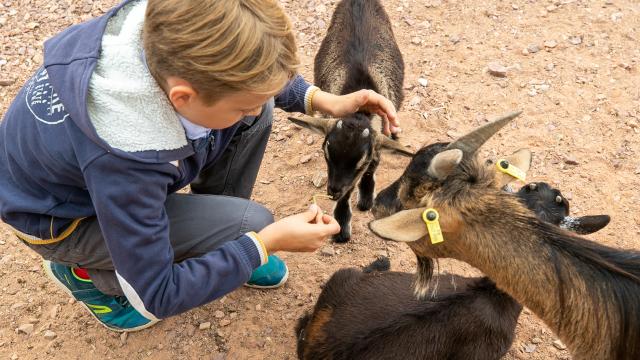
[(403, 226), (444, 163), (520, 159), (383, 142), (319, 125), (585, 224)]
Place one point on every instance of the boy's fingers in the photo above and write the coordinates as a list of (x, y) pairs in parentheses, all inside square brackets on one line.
[(312, 213)]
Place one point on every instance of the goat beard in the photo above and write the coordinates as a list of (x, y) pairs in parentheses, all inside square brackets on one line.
[(424, 275)]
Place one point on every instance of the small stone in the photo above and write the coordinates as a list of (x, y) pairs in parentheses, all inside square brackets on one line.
[(53, 313), (17, 306), (550, 44), (25, 329), (382, 253), (536, 340), (225, 322), (497, 69), (305, 159), (258, 307), (616, 17), (123, 338), (205, 325), (310, 140), (416, 41), (549, 67), (319, 179), (544, 87), (32, 25), (454, 39), (50, 335), (559, 345), (219, 314), (7, 82), (279, 137), (533, 48), (570, 160), (453, 134), (14, 356), (415, 100), (552, 8), (529, 348), (327, 251), (423, 82), (632, 123), (533, 92), (575, 40), (601, 97)]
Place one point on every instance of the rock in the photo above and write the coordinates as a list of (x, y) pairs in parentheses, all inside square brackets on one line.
[(575, 40), (25, 329), (550, 44), (570, 160), (258, 307), (552, 8), (533, 48), (279, 137), (14, 356), (415, 100), (536, 340), (497, 69), (219, 314), (454, 39), (616, 17), (17, 306), (319, 179), (123, 338), (559, 345), (533, 92), (416, 41), (305, 159), (50, 335), (310, 140), (529, 348), (382, 253), (423, 82), (7, 82), (549, 67), (53, 313), (225, 322), (327, 251), (205, 325), (544, 87)]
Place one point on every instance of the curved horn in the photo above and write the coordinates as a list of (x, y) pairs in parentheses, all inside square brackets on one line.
[(471, 142)]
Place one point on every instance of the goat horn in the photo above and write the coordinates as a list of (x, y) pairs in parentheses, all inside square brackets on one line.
[(471, 142)]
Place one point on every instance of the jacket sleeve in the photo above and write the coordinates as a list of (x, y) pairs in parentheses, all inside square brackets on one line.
[(291, 99), (129, 198)]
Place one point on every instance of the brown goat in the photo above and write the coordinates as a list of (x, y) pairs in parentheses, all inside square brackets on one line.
[(358, 52), (372, 314), (586, 292)]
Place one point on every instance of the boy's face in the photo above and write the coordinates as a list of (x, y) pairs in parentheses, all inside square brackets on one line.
[(220, 115)]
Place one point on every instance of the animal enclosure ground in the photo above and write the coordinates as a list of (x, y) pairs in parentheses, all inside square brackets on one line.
[(571, 66)]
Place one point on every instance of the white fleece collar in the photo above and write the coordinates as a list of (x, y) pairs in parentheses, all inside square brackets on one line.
[(126, 106)]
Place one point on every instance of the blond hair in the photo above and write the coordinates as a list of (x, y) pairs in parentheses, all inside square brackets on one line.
[(220, 46)]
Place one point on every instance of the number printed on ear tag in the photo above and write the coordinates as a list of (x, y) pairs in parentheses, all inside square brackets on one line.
[(509, 169), (431, 218)]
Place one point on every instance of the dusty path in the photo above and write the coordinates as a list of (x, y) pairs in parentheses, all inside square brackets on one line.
[(578, 85)]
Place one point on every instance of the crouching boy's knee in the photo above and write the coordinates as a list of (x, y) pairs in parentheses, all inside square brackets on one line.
[(256, 218)]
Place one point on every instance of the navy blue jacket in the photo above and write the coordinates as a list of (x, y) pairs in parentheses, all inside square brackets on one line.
[(54, 168)]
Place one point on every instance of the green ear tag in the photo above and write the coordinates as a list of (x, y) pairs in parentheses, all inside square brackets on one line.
[(507, 168), (431, 217)]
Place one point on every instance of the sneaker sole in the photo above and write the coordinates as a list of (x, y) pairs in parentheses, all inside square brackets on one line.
[(284, 280), (46, 264)]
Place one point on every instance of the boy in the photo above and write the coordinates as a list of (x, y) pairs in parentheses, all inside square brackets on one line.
[(133, 106)]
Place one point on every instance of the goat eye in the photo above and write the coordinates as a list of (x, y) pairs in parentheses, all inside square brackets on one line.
[(559, 199)]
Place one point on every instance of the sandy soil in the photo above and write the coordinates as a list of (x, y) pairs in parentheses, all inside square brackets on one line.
[(577, 83)]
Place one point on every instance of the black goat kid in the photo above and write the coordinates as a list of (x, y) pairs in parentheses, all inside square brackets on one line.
[(358, 52)]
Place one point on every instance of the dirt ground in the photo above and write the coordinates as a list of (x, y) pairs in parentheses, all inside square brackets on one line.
[(577, 83)]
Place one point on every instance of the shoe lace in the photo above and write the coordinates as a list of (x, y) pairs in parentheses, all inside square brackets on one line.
[(123, 301)]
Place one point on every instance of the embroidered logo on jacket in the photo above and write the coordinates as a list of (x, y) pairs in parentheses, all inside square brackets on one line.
[(43, 101)]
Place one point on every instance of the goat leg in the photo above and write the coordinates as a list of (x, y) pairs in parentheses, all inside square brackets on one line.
[(367, 187), (342, 213)]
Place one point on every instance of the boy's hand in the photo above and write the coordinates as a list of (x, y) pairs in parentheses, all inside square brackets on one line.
[(366, 100), (304, 232)]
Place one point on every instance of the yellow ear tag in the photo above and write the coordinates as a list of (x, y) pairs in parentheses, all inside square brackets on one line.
[(509, 169), (431, 217)]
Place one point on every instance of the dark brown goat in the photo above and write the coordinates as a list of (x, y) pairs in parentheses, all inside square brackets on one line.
[(374, 315), (586, 292), (358, 52)]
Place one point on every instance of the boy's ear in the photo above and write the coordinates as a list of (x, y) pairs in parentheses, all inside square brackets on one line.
[(180, 92), (520, 159), (321, 126), (585, 224)]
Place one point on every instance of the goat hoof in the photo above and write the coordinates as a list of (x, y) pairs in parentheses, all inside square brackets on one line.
[(365, 204), (341, 238)]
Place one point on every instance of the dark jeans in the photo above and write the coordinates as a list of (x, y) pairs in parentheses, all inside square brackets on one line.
[(218, 210)]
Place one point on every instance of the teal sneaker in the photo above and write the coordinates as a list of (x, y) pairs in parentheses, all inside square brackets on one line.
[(114, 312), (271, 275)]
